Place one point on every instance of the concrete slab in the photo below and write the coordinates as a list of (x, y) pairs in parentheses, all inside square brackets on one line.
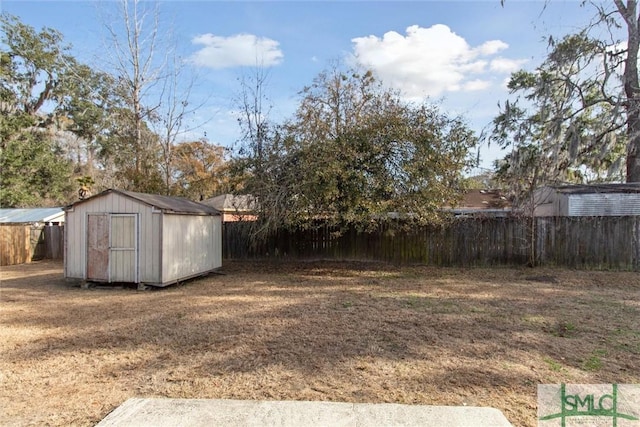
[(236, 413)]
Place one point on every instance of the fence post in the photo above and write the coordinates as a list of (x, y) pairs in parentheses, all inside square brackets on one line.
[(636, 243)]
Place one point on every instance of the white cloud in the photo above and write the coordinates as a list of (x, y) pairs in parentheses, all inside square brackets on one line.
[(234, 51), (491, 47), (475, 85), (431, 61), (504, 65)]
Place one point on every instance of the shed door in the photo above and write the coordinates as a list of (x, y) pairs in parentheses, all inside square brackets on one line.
[(123, 252), (98, 247)]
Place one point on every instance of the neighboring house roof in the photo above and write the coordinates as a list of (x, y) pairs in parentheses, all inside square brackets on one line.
[(167, 204), (483, 202), (484, 199), (632, 187), (231, 203), (22, 216)]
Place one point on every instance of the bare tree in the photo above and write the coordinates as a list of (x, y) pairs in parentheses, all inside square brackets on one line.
[(139, 59), (158, 88), (253, 167), (169, 123), (254, 115)]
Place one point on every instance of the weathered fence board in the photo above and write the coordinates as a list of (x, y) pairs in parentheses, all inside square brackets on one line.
[(579, 242), (593, 242), (54, 241), (23, 243), (15, 245)]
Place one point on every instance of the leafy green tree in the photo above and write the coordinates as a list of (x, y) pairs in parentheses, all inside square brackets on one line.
[(356, 154), (32, 171), (83, 118), (36, 69), (87, 110)]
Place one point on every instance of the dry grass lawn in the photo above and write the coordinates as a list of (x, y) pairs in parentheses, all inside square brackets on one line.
[(349, 332)]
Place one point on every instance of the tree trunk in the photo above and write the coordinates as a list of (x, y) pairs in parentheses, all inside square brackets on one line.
[(632, 89), (633, 147)]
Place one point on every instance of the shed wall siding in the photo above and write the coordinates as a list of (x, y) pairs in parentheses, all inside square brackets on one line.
[(546, 209), (217, 241), (149, 254), (74, 246), (546, 202), (148, 235), (603, 204), (190, 245), (563, 205)]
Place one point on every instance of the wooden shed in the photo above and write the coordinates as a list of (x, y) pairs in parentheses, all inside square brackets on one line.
[(124, 236)]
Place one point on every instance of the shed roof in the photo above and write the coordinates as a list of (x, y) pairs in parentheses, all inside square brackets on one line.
[(230, 202), (630, 187), (22, 216), (169, 204)]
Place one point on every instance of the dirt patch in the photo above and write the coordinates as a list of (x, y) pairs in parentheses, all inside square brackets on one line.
[(349, 332)]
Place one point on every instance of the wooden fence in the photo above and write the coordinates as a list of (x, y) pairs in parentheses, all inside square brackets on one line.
[(589, 242), (22, 243), (577, 242)]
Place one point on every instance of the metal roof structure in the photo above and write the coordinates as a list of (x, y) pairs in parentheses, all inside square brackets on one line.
[(630, 187), (588, 200), (169, 204), (28, 216)]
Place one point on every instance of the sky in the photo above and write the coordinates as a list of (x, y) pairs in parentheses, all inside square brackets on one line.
[(457, 53)]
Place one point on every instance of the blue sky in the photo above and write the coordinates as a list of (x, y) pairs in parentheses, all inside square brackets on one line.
[(459, 53)]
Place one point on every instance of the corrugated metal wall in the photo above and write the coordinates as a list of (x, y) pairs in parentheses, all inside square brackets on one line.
[(603, 204)]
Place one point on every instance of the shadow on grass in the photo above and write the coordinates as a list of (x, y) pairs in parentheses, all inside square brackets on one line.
[(411, 330)]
